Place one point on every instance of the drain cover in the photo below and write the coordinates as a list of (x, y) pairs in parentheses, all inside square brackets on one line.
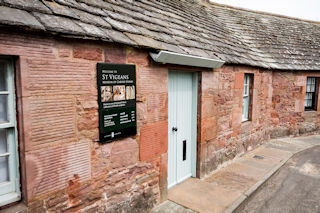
[(258, 157)]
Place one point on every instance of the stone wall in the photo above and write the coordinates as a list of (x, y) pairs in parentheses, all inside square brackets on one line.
[(223, 134), (64, 168), (277, 111), (288, 115)]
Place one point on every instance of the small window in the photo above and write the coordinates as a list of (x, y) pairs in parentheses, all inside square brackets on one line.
[(311, 98), (247, 97), (9, 178)]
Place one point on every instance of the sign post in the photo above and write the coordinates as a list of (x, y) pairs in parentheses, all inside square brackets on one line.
[(117, 101)]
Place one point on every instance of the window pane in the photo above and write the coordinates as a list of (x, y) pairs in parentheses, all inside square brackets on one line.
[(3, 76), (312, 87), (4, 169), (308, 88), (309, 96), (245, 90), (307, 104), (245, 108), (3, 141), (3, 108)]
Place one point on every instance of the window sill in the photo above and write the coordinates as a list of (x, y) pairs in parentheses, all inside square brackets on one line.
[(9, 198), (310, 110), (246, 124), (18, 207), (245, 121)]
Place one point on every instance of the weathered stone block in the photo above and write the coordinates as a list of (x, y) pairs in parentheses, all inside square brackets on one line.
[(124, 153), (153, 140), (239, 79), (64, 52), (115, 54), (208, 129), (152, 80), (208, 107), (157, 108), (88, 53), (101, 159), (51, 168), (279, 132), (236, 117), (138, 57), (163, 180), (301, 81), (210, 80), (299, 105)]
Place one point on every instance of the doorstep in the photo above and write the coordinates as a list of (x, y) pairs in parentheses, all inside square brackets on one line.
[(226, 189)]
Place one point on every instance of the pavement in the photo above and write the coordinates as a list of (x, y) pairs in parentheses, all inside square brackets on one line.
[(294, 188), (229, 189)]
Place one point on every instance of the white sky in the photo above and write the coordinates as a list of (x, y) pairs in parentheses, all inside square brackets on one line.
[(304, 9)]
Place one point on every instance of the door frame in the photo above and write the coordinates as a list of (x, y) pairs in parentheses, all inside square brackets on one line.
[(194, 119), (194, 123)]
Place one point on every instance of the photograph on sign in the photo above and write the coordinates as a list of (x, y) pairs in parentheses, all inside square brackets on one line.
[(130, 92), (119, 93), (106, 93)]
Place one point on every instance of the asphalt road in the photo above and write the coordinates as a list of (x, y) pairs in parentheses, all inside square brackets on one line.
[(295, 188)]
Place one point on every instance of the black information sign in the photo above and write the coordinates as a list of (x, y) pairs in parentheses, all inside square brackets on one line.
[(117, 101)]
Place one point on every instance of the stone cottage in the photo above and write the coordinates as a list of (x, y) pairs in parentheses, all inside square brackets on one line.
[(211, 82)]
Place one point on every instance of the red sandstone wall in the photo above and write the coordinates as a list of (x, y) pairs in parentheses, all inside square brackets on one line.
[(288, 113), (63, 167), (223, 135), (277, 111)]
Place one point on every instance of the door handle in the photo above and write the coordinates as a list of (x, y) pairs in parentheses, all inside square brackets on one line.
[(174, 129), (184, 150)]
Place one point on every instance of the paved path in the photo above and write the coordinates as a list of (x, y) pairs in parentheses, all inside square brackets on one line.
[(294, 188), (171, 207), (226, 189)]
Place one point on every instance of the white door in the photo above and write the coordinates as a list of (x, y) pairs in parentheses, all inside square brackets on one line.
[(182, 144)]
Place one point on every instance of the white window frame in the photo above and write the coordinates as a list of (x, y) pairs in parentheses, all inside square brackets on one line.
[(10, 190), (246, 97)]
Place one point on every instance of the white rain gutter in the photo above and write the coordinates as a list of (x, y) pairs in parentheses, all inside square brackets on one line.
[(167, 57)]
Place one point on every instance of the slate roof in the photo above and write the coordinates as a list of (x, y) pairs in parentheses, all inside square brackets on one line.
[(209, 30)]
